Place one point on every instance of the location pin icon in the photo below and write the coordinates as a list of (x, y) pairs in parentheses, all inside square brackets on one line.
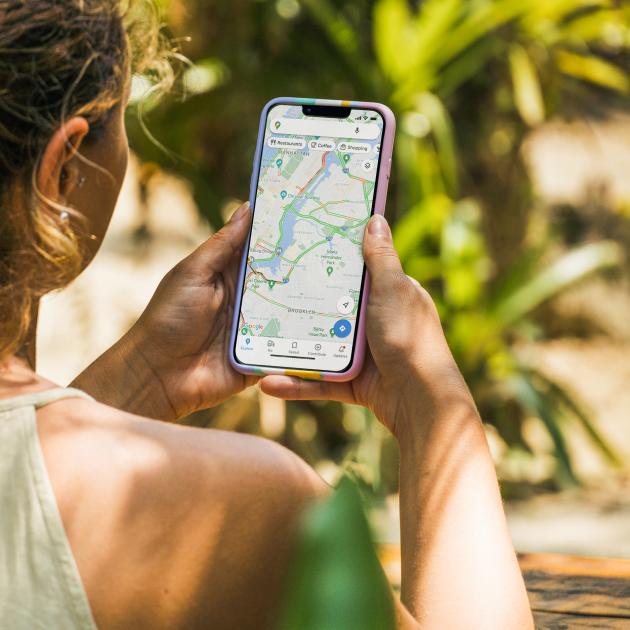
[(283, 194), (277, 125)]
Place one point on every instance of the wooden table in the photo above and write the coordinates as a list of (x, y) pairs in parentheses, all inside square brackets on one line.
[(565, 592), (575, 592)]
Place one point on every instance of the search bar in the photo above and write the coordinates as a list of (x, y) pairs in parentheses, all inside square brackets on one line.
[(325, 128)]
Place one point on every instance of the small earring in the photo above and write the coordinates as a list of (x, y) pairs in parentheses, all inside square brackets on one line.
[(81, 181), (64, 216)]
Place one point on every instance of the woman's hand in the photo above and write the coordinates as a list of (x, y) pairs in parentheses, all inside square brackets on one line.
[(174, 360), (409, 366)]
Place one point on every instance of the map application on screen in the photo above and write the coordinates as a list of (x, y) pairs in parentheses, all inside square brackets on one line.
[(305, 268)]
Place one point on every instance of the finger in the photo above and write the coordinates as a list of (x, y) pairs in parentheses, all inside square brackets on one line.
[(217, 252), (290, 388), (380, 256), (232, 268)]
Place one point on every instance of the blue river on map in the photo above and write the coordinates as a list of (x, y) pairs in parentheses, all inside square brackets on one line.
[(290, 219)]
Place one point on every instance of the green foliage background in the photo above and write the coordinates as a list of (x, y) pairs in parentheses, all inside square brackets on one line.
[(468, 80)]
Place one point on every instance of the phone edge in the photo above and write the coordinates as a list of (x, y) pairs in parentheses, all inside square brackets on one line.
[(382, 185)]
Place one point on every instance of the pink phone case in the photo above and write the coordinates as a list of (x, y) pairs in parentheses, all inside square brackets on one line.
[(387, 146)]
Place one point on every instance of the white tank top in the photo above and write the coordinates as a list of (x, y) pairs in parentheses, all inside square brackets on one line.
[(40, 585)]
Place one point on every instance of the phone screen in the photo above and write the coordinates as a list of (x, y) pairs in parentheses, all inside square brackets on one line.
[(305, 272)]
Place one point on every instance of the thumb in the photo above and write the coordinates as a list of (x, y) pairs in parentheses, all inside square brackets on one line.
[(217, 252), (380, 256)]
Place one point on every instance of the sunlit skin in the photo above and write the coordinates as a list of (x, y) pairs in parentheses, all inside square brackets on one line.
[(178, 527)]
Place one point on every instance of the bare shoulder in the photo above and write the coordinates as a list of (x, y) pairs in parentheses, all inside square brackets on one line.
[(104, 442), (174, 526)]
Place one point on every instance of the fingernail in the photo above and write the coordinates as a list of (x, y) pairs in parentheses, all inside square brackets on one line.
[(240, 212), (378, 226)]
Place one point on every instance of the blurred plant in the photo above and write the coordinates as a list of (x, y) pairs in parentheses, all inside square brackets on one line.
[(484, 65), (486, 323), (467, 79), (336, 581)]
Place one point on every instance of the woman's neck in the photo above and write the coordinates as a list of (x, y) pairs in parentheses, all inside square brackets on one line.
[(28, 351), (17, 377), (17, 372)]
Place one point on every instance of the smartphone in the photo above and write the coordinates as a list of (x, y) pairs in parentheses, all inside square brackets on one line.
[(321, 169)]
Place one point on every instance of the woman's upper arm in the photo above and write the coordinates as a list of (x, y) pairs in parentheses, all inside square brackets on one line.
[(240, 500), (273, 485)]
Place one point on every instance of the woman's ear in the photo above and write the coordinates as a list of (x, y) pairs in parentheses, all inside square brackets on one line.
[(58, 173)]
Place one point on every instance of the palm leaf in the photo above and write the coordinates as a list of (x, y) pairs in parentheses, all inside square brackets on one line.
[(344, 37), (559, 275), (434, 24), (424, 219), (482, 20), (594, 70), (578, 411), (598, 27), (444, 137), (394, 32), (528, 96), (467, 67), (519, 274), (548, 15), (542, 406)]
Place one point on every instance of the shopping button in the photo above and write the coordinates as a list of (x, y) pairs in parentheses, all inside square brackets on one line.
[(342, 328)]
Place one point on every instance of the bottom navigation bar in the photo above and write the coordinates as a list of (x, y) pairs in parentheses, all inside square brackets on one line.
[(316, 354)]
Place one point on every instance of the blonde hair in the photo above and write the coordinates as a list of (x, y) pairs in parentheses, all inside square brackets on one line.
[(58, 59)]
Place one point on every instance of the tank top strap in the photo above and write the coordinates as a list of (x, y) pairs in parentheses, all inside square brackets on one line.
[(42, 398), (40, 583)]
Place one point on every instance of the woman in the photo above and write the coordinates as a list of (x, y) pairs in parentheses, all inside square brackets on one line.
[(111, 519)]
